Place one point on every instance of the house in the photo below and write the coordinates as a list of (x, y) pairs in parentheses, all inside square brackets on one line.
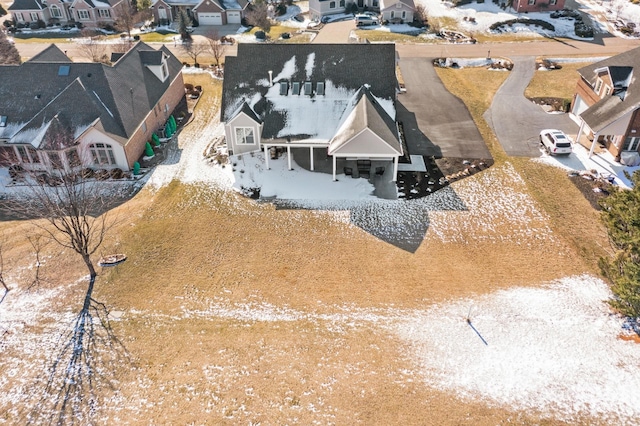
[(607, 103), (321, 8), (205, 12), (332, 101), (88, 12), (56, 114), (397, 11), (524, 6)]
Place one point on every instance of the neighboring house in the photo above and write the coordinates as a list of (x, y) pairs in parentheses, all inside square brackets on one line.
[(206, 12), (331, 101), (320, 8), (90, 13), (607, 102), (397, 11), (522, 6), (56, 114)]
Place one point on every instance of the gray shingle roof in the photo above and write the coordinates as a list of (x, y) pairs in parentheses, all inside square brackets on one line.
[(51, 54), (344, 68), (120, 95), (626, 94), (26, 5)]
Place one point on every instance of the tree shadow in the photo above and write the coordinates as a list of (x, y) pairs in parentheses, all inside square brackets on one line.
[(84, 363)]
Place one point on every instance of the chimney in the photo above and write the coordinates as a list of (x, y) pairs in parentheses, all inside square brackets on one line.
[(270, 78)]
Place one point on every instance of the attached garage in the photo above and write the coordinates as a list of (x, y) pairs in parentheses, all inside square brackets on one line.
[(209, 18), (579, 106), (233, 17)]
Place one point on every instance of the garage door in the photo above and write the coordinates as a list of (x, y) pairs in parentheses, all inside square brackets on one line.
[(210, 18), (579, 106), (233, 17)]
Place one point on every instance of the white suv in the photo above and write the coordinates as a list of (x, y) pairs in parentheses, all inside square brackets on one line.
[(363, 19), (555, 142)]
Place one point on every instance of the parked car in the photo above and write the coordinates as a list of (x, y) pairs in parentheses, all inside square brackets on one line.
[(555, 142), (362, 20)]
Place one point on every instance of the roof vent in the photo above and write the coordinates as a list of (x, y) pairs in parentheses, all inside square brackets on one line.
[(37, 96)]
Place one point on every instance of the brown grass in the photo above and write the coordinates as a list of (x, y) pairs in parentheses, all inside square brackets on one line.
[(556, 83), (192, 247)]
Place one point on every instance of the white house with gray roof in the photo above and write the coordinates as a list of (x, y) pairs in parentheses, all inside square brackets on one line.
[(56, 114), (397, 11), (337, 98)]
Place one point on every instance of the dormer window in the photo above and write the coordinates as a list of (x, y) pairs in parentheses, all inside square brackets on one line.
[(607, 90), (598, 86), (284, 88), (165, 71), (3, 121), (320, 88), (295, 88), (308, 88)]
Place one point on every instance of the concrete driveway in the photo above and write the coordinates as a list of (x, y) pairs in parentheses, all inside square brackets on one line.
[(515, 120), (335, 32), (435, 122)]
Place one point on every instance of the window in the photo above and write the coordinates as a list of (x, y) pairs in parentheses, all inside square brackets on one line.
[(54, 160), (553, 2), (332, 5), (295, 88), (34, 16), (393, 14), (55, 11), (320, 88), (308, 88), (404, 14), (598, 86), (22, 154), (83, 14), (102, 153), (631, 144), (18, 17), (375, 3), (3, 121), (607, 90), (531, 2), (144, 127), (73, 159), (162, 12), (104, 13), (341, 3), (244, 135), (284, 88), (165, 71)]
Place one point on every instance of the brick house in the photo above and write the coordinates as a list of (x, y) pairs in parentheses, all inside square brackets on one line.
[(607, 103), (206, 12), (88, 12), (522, 6), (59, 114)]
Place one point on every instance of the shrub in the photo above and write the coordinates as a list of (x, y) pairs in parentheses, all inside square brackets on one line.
[(261, 35)]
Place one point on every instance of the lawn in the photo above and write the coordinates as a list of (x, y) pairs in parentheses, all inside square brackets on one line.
[(234, 312), (555, 83)]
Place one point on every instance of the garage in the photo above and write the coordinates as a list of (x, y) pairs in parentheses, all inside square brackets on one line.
[(233, 17), (210, 18), (579, 106)]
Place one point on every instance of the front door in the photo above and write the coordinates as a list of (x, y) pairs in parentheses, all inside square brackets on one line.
[(360, 3)]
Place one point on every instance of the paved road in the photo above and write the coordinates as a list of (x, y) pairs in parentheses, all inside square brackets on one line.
[(515, 120), (435, 122)]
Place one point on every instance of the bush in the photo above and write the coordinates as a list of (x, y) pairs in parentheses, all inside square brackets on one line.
[(188, 86), (9, 23), (136, 37), (526, 21), (79, 25), (281, 9), (261, 35)]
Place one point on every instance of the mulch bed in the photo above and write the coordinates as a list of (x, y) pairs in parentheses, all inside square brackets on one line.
[(587, 186)]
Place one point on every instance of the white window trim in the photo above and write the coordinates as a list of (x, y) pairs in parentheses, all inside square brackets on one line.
[(245, 132), (80, 15), (162, 12), (54, 9), (104, 13), (34, 16), (598, 86)]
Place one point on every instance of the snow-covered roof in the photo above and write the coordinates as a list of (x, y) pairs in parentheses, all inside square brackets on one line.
[(309, 87)]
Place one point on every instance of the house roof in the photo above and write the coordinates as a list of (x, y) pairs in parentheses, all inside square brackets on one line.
[(51, 54), (120, 95), (366, 113), (26, 5), (389, 3), (341, 70), (626, 95)]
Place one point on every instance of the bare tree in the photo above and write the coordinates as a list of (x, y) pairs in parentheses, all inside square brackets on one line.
[(421, 16), (38, 242), (126, 17), (215, 45), (8, 52), (258, 15), (91, 45), (122, 46), (194, 49)]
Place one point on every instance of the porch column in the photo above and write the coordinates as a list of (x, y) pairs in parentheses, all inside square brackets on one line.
[(311, 157), (395, 169), (289, 156), (334, 168), (266, 156), (593, 144)]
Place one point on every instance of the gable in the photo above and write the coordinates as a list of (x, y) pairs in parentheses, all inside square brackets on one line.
[(208, 6)]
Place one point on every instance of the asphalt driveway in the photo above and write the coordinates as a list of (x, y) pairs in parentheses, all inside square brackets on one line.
[(515, 120), (435, 121)]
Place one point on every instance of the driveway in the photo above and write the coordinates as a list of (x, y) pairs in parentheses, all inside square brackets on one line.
[(435, 122), (515, 120), (335, 32)]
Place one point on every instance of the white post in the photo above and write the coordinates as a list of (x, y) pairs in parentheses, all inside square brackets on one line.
[(311, 156), (580, 130), (593, 144), (289, 156), (266, 156), (395, 169), (334, 168)]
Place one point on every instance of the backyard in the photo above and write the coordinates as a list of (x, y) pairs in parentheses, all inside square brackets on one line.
[(231, 311)]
